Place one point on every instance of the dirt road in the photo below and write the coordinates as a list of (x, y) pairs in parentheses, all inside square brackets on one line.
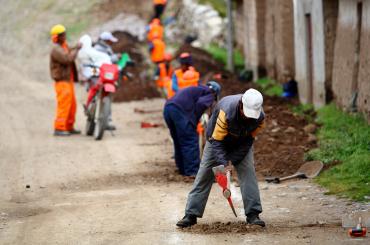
[(122, 190)]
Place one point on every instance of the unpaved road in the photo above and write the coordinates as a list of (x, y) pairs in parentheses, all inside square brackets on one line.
[(111, 192), (121, 190)]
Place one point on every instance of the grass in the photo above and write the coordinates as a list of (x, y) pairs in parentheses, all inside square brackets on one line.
[(345, 139), (270, 87), (307, 111), (220, 54), (218, 5)]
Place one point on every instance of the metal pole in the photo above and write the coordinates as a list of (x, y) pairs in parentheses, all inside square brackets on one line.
[(230, 36)]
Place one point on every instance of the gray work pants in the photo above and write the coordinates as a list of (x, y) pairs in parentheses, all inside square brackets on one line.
[(198, 196)]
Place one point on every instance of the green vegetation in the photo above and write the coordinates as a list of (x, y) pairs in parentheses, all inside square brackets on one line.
[(345, 139), (270, 87), (220, 54), (218, 5), (304, 110)]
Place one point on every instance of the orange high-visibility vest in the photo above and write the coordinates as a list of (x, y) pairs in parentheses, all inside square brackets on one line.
[(164, 75), (159, 48), (155, 31), (184, 82), (159, 2)]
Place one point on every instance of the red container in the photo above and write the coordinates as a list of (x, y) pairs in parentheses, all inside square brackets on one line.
[(109, 73)]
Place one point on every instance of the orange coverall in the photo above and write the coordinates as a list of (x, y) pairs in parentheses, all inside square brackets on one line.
[(65, 93)]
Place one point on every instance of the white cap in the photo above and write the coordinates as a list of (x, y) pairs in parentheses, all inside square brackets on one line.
[(252, 103), (108, 36)]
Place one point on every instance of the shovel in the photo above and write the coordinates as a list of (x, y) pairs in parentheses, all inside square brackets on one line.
[(307, 170)]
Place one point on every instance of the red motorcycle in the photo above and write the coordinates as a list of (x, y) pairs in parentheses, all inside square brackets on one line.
[(98, 107)]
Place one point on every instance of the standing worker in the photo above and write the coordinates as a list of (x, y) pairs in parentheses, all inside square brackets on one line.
[(182, 114), (157, 49), (179, 79), (154, 28), (63, 71), (159, 6), (232, 128), (163, 73), (104, 45)]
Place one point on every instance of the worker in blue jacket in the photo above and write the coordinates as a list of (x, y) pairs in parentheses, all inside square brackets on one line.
[(234, 123), (182, 113)]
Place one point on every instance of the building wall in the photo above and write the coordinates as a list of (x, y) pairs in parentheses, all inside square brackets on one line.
[(345, 73), (279, 39), (330, 8), (239, 24), (314, 8), (254, 21)]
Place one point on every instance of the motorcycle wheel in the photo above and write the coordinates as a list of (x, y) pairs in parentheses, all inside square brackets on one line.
[(103, 116), (90, 123)]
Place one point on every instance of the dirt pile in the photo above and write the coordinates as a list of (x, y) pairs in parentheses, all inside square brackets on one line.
[(210, 69), (280, 147), (139, 86), (242, 227)]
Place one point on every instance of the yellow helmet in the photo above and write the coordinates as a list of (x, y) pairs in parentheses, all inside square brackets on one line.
[(57, 29)]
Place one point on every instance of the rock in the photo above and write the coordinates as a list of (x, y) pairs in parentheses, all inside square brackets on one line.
[(290, 130), (265, 188), (310, 128), (275, 130), (312, 138), (282, 194)]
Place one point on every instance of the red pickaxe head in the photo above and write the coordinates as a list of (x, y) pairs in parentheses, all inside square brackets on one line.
[(223, 180)]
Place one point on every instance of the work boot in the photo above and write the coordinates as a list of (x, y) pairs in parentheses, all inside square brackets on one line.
[(187, 221), (254, 219), (61, 133), (75, 131)]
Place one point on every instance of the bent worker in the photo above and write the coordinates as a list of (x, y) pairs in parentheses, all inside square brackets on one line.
[(159, 6), (182, 114), (178, 82), (232, 128), (63, 71)]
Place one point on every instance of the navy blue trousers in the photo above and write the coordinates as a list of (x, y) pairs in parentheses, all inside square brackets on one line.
[(185, 139)]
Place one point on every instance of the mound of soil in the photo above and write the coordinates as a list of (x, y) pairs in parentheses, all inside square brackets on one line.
[(210, 69), (139, 86), (280, 147)]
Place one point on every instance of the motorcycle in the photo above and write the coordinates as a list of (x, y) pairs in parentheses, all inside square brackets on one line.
[(104, 83)]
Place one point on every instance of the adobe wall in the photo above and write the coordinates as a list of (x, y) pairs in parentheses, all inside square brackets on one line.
[(254, 22), (315, 9), (239, 24), (344, 57), (279, 38), (330, 8), (363, 100)]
